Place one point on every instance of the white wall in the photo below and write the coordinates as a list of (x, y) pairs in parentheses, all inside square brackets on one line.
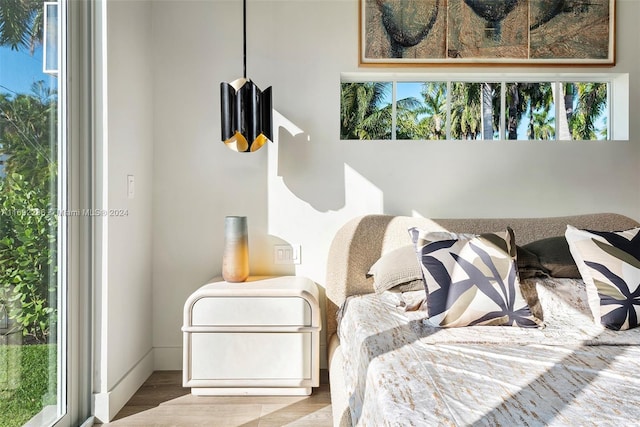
[(303, 187), (123, 321)]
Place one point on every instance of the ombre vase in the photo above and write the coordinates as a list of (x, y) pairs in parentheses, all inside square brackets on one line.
[(235, 258)]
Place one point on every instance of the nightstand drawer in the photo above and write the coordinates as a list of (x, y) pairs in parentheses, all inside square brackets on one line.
[(245, 356), (246, 311), (259, 337)]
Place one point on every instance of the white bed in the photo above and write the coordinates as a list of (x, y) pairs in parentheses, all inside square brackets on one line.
[(387, 367)]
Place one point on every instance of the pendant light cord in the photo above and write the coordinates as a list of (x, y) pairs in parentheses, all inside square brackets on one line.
[(244, 38)]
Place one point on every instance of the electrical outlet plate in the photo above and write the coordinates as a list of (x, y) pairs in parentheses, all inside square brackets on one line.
[(287, 254)]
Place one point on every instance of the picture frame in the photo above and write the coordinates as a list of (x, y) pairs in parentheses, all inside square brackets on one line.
[(486, 32)]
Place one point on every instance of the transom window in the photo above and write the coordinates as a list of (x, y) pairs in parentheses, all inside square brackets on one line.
[(518, 108)]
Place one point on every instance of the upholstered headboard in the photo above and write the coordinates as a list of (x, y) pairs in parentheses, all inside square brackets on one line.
[(360, 242)]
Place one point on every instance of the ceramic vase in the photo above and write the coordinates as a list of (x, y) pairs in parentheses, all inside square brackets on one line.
[(235, 258)]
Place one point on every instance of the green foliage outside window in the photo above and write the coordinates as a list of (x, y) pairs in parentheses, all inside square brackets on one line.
[(28, 219), (363, 112), (28, 228), (471, 111)]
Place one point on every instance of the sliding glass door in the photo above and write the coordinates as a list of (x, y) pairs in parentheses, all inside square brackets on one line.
[(36, 347)]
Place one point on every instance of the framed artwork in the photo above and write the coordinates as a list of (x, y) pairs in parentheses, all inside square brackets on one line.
[(520, 32)]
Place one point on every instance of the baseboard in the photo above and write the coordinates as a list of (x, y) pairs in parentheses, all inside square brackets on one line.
[(167, 358), (107, 405), (170, 358)]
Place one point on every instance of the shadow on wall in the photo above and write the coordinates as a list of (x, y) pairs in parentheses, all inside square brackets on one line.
[(441, 178), (302, 158), (436, 178), (374, 176)]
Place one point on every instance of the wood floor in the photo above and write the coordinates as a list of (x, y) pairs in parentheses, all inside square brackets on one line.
[(162, 401)]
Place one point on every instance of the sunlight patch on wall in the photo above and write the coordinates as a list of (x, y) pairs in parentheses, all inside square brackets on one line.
[(361, 192)]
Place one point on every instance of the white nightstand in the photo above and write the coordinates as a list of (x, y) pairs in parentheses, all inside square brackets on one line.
[(259, 337)]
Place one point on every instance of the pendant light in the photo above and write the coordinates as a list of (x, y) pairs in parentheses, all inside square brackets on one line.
[(246, 111)]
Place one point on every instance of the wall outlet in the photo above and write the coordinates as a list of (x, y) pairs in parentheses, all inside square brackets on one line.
[(287, 254)]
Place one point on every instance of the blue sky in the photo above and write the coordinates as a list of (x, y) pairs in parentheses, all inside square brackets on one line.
[(409, 89), (413, 89), (19, 70)]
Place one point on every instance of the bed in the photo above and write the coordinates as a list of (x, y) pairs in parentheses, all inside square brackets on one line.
[(390, 366)]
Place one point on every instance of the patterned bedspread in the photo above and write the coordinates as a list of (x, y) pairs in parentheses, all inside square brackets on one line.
[(400, 371)]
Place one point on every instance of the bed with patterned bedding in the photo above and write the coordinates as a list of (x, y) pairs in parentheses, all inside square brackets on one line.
[(390, 365)]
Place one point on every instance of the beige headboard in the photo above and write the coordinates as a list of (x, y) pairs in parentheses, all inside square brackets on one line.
[(361, 241)]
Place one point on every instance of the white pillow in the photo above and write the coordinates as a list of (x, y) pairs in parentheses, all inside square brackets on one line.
[(398, 270)]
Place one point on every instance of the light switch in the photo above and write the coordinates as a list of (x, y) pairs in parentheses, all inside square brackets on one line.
[(287, 254), (131, 187)]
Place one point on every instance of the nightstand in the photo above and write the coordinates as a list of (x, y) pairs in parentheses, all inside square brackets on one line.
[(258, 337)]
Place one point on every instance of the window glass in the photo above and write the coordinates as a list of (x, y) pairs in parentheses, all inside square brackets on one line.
[(586, 106), (422, 110), (365, 110), (32, 354), (530, 111), (475, 111), (485, 110)]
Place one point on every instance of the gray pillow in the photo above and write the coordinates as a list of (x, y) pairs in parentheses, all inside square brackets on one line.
[(398, 270), (554, 255), (529, 265)]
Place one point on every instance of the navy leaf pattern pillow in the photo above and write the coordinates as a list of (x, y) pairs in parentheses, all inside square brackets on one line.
[(471, 279), (609, 263)]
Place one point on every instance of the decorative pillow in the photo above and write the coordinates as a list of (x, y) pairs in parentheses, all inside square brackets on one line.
[(555, 257), (529, 265), (609, 263), (471, 280), (398, 270)]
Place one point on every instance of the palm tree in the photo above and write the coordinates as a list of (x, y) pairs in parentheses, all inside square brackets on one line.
[(466, 110), (434, 124), (584, 104), (539, 98), (517, 103), (25, 133), (408, 123), (543, 126), (21, 23), (534, 100), (591, 102), (362, 112), (487, 101), (365, 113), (474, 111)]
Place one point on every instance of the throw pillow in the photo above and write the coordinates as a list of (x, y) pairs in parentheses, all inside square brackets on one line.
[(398, 270), (609, 263), (529, 265), (471, 280), (555, 257)]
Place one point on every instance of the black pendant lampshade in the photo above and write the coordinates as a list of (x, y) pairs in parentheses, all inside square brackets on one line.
[(246, 111)]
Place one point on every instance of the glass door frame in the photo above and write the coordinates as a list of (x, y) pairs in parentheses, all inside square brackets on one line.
[(76, 133)]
